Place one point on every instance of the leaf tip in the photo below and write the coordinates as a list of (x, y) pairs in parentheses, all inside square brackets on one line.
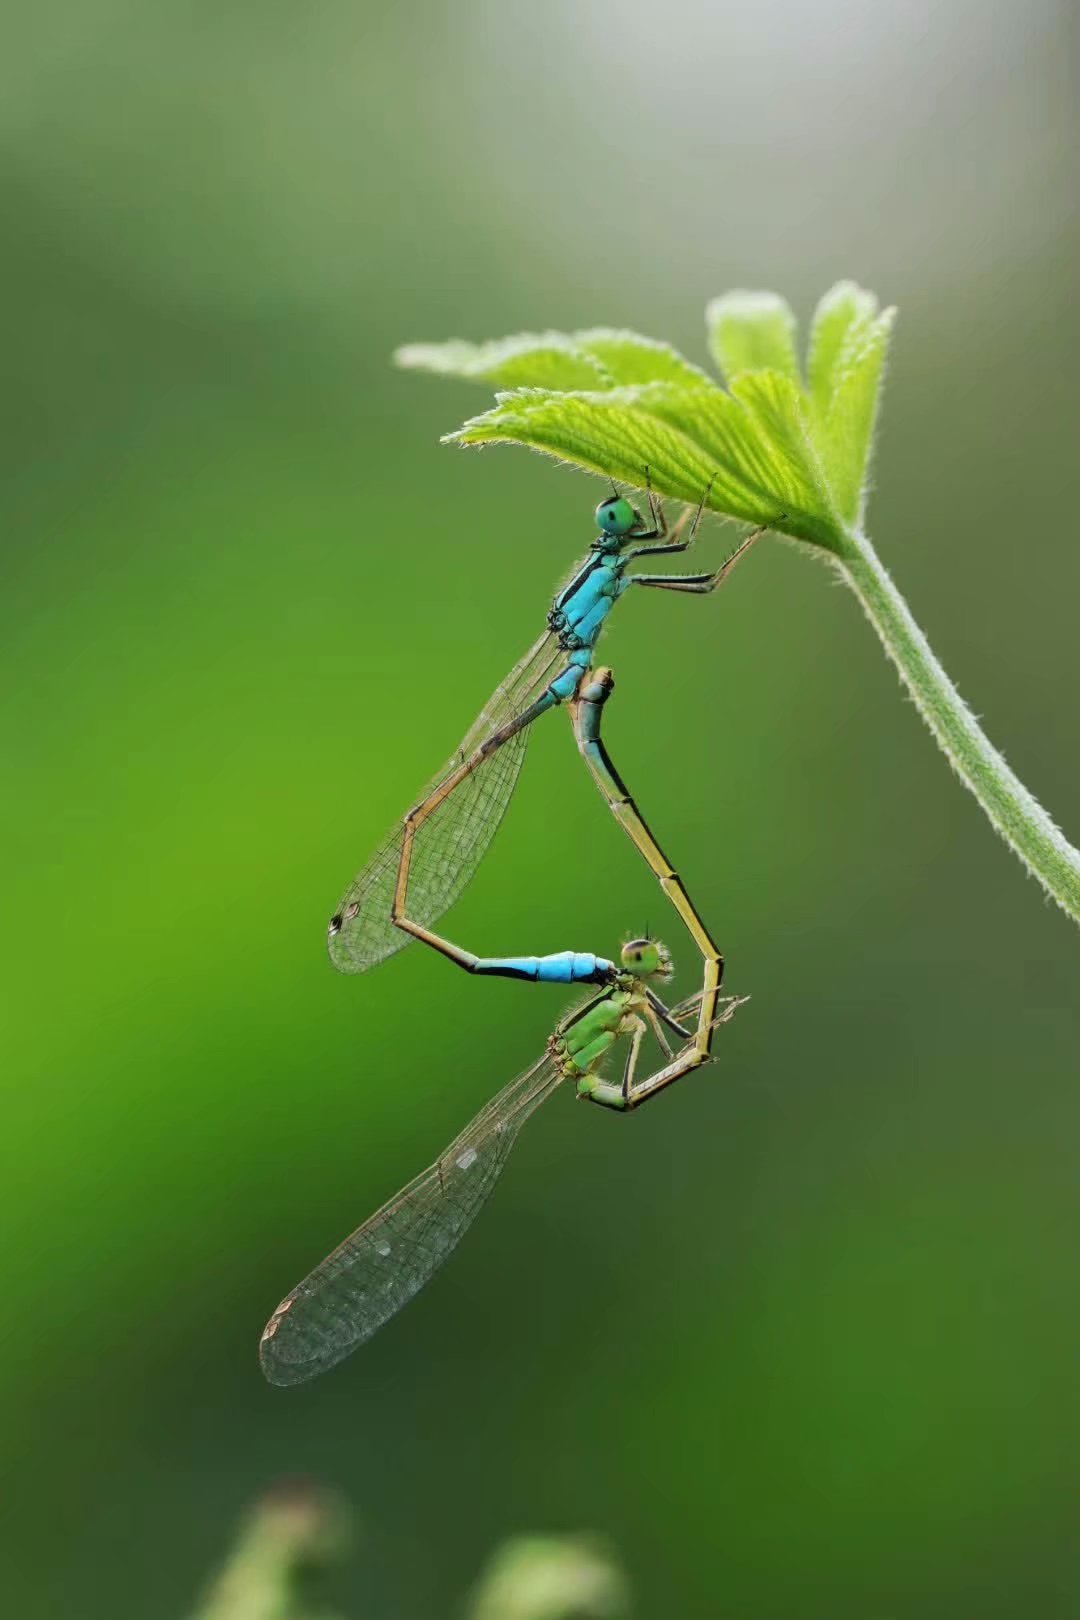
[(747, 304), (847, 297), (751, 330), (441, 358)]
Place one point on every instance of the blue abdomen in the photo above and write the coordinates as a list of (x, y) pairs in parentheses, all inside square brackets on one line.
[(564, 967)]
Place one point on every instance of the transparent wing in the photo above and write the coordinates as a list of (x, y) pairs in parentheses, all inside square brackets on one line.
[(454, 840), (389, 1259)]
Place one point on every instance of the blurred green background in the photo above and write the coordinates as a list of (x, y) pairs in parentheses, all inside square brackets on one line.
[(802, 1339)]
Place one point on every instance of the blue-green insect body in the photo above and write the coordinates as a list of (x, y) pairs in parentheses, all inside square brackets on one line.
[(387, 1260), (563, 967), (584, 1044), (424, 863), (578, 612), (565, 684)]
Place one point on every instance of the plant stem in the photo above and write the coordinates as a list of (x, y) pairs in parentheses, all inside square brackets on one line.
[(1019, 818)]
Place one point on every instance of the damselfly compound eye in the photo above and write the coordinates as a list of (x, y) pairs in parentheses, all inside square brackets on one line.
[(616, 515)]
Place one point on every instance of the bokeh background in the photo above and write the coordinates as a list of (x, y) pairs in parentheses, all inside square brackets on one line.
[(803, 1338)]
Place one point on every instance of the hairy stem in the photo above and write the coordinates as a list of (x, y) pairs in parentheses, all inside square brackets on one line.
[(1019, 818)]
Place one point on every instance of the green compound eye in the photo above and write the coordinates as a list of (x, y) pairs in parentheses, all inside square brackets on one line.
[(642, 956), (616, 515)]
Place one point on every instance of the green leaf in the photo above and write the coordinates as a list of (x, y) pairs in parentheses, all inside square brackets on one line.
[(847, 433), (771, 450), (752, 331), (551, 1578), (598, 358), (293, 1532), (628, 358), (844, 309), (848, 344), (550, 360), (754, 441), (614, 433), (755, 467), (791, 469)]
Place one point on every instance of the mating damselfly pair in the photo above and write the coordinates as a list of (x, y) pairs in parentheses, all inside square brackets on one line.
[(424, 865)]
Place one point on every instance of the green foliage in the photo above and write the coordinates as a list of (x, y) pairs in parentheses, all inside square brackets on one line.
[(299, 1531), (551, 1578), (848, 343), (752, 331), (777, 450), (290, 1537), (777, 447)]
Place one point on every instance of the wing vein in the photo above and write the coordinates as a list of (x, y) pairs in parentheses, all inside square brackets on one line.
[(379, 1268), (454, 840)]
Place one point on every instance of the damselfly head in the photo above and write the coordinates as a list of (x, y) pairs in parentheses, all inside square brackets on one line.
[(616, 516), (647, 959)]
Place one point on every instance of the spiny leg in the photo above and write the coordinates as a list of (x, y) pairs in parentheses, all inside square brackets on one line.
[(673, 541), (658, 519), (657, 516), (637, 1035), (656, 510), (689, 1005), (697, 584), (415, 819), (586, 710), (566, 967), (668, 1015), (631, 1094), (728, 1006), (669, 542), (658, 1030), (656, 506), (685, 1061), (591, 1086)]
